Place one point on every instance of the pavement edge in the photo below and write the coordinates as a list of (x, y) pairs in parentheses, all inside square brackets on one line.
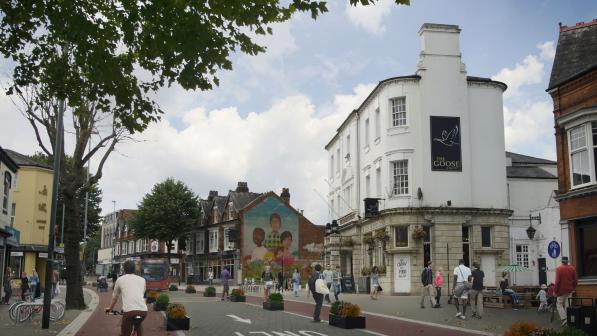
[(80, 320)]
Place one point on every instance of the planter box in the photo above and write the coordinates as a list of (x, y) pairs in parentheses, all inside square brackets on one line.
[(172, 290), (347, 322), (206, 294), (160, 307), (238, 299), (273, 305), (178, 324)]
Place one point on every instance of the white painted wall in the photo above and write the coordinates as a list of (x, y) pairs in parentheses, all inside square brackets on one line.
[(443, 90)]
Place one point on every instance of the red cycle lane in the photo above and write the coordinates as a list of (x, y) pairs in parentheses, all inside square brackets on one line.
[(101, 324), (384, 325)]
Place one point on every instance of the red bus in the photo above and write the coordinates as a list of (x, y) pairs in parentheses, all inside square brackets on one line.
[(155, 272)]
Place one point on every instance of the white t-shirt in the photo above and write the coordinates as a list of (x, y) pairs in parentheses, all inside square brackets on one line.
[(131, 288), (462, 272)]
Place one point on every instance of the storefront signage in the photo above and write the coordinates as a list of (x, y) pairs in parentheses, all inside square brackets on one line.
[(445, 144), (15, 236), (553, 249), (16, 254), (43, 254), (402, 273)]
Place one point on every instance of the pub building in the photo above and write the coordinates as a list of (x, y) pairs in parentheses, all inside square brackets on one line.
[(426, 154), (572, 86)]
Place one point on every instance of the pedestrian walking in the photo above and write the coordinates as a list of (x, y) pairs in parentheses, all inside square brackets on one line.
[(428, 290), (328, 277), (542, 297), (225, 278), (318, 289), (280, 283), (33, 283), (375, 287), (55, 280), (566, 282), (476, 292), (210, 276), (6, 285), (268, 282), (462, 274), (438, 286), (296, 282), (24, 285), (336, 285)]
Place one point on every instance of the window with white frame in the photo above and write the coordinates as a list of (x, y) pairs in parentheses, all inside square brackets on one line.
[(5, 194), (522, 255), (228, 245), (348, 197), (398, 110), (377, 123), (117, 249), (13, 212), (378, 182), (213, 241), (399, 177), (367, 132), (200, 243), (580, 164)]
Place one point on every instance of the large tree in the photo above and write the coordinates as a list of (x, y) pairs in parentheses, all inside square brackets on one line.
[(102, 59), (167, 213)]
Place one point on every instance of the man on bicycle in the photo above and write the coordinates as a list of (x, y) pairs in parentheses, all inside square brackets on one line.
[(131, 287)]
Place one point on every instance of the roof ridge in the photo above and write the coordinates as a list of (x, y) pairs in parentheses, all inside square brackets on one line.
[(582, 24)]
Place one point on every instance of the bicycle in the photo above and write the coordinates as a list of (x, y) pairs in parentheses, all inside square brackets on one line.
[(21, 311), (137, 320)]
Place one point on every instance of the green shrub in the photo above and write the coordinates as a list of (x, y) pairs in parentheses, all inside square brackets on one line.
[(163, 299), (210, 290), (276, 298), (336, 307), (173, 288), (190, 289), (237, 292)]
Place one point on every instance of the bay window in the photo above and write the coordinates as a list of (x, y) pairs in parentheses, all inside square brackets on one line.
[(583, 153)]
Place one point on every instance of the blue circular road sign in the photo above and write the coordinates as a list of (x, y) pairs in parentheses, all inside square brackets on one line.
[(553, 249)]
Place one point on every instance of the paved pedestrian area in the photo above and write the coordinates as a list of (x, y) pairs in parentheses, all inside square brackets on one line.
[(33, 326)]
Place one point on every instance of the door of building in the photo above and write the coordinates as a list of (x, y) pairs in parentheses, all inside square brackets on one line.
[(488, 267), (542, 271), (402, 273)]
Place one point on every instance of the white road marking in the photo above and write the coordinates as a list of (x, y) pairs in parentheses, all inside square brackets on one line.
[(239, 319)]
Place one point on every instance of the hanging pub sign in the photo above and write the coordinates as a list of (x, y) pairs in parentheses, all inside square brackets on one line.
[(445, 144)]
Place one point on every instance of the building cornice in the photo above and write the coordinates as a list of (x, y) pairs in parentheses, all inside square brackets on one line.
[(447, 211), (577, 193), (570, 117)]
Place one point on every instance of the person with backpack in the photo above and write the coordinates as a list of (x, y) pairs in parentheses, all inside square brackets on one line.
[(462, 285), (318, 289), (428, 290)]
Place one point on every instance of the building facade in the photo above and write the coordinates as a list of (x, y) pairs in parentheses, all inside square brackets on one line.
[(429, 150), (573, 88), (31, 206), (244, 231), (8, 234), (531, 189)]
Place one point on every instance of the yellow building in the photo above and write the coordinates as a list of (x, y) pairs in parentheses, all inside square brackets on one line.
[(32, 200)]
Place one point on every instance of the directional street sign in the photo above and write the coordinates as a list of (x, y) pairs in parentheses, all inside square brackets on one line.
[(553, 249)]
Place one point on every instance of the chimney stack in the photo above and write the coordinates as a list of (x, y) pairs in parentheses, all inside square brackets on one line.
[(212, 195), (242, 187), (285, 195)]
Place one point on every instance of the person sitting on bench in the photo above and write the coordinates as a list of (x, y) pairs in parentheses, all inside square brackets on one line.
[(506, 290)]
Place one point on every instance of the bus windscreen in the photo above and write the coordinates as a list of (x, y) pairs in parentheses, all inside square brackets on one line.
[(153, 272)]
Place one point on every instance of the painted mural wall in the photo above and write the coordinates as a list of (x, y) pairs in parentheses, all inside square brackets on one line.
[(271, 231)]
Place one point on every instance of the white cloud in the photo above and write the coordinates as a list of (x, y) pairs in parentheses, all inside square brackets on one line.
[(279, 147), (370, 17), (529, 127), (548, 50), (530, 71)]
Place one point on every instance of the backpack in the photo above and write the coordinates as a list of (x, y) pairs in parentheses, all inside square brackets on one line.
[(425, 276), (312, 281)]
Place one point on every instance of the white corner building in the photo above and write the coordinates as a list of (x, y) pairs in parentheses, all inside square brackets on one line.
[(430, 147)]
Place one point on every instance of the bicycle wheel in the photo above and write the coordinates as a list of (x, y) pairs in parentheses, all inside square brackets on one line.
[(24, 312), (56, 311), (12, 312)]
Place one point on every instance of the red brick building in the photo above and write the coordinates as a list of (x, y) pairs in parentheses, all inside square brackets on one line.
[(573, 88)]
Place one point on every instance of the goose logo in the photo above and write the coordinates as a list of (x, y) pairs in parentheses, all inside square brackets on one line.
[(449, 138)]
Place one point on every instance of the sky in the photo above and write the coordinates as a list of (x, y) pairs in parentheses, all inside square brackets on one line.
[(270, 118)]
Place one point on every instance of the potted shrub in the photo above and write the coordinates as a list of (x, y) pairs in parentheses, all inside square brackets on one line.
[(190, 289), (275, 301), (346, 315), (173, 288), (176, 317), (238, 295), (418, 233), (210, 292), (161, 303), (151, 296)]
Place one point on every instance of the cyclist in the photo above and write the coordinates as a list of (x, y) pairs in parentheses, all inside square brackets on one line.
[(131, 288)]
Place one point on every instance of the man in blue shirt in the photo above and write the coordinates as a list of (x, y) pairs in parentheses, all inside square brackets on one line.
[(225, 277)]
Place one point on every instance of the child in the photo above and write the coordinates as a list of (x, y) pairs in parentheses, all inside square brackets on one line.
[(542, 296), (259, 251), (274, 241)]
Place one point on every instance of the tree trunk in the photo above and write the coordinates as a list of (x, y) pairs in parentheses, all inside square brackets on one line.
[(72, 238), (168, 247)]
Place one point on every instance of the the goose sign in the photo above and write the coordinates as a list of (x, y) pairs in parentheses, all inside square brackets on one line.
[(445, 144)]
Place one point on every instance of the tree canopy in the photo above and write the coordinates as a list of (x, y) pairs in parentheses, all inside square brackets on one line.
[(167, 213)]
